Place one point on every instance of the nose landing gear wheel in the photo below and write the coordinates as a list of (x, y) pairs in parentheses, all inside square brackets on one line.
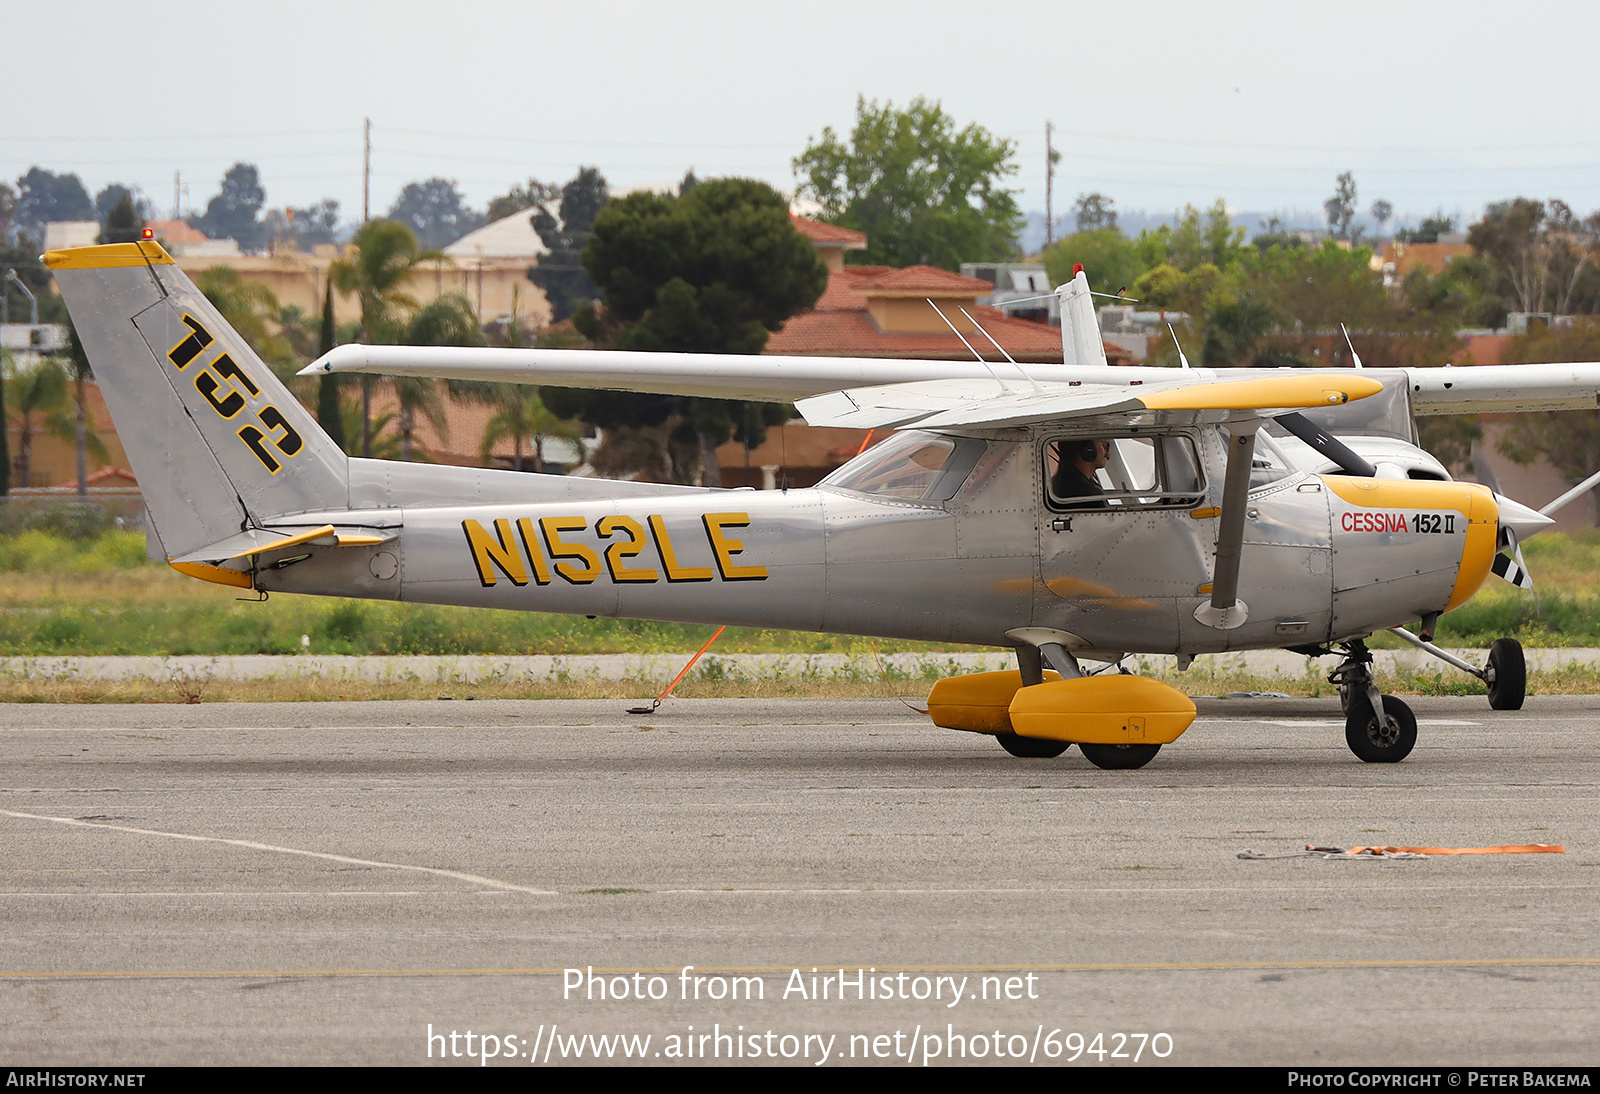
[(1506, 674), (1119, 757), (1375, 743), (1031, 748)]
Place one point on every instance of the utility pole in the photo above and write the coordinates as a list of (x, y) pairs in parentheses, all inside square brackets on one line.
[(177, 192), (1051, 158), (366, 173)]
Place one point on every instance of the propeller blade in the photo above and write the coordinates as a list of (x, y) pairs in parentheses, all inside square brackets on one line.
[(1513, 570)]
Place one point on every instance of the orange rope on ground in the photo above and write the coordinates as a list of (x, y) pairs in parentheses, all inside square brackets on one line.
[(676, 680), (866, 440), (1523, 849)]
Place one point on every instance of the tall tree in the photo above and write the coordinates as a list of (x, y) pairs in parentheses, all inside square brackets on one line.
[(44, 196), (922, 190), (1541, 256), (1341, 208), (378, 265), (1093, 212), (123, 223), (329, 415), (235, 211), (111, 196), (560, 270), (1382, 211), (435, 212), (713, 271)]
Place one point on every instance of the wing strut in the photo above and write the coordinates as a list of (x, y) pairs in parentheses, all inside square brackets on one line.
[(1226, 611), (968, 344)]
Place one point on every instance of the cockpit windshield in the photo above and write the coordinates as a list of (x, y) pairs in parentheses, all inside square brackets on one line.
[(912, 465)]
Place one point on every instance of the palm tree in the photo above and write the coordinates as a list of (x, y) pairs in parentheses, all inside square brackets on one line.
[(447, 321), (523, 415), (381, 259), (38, 402)]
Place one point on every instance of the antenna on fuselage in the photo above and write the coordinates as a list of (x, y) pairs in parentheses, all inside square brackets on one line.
[(1353, 354), (1014, 364), (968, 344), (1182, 360)]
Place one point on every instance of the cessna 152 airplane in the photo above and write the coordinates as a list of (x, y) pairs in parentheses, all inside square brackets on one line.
[(1070, 512)]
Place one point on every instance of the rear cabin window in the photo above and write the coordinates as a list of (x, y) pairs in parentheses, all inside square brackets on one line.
[(1112, 474)]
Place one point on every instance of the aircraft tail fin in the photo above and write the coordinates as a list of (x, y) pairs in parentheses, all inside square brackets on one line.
[(217, 442), (1081, 343)]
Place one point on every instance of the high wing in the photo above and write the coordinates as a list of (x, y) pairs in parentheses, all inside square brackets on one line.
[(777, 378)]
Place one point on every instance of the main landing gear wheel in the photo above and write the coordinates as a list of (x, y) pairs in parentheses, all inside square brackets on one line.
[(1371, 740), (1119, 757), (1031, 748), (1506, 674)]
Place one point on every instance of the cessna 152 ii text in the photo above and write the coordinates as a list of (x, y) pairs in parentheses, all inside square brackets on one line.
[(1073, 513)]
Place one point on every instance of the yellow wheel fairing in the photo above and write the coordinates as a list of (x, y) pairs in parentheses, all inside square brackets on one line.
[(1103, 710), (977, 702)]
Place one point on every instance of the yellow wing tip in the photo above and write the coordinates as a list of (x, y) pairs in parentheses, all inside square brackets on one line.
[(144, 252), (1265, 392)]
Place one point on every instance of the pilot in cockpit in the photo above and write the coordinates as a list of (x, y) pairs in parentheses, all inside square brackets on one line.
[(1076, 465)]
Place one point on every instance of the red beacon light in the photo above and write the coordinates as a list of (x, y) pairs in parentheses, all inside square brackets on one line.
[(1077, 267), (148, 233)]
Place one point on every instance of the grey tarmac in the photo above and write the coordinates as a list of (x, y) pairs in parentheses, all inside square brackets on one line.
[(320, 883)]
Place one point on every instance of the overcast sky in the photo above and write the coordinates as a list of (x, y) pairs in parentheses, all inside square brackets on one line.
[(1432, 105)]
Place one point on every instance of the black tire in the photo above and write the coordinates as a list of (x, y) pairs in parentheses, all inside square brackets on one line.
[(1367, 739), (1507, 675), (1119, 757), (1031, 748), (1344, 699)]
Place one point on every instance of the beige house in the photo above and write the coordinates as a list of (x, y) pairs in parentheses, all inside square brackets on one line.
[(489, 267)]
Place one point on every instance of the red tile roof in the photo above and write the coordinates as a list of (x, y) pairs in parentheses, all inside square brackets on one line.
[(828, 235), (176, 231), (840, 326), (921, 279)]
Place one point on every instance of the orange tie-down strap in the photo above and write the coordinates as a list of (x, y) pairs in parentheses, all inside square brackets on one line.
[(1369, 853), (1522, 849)]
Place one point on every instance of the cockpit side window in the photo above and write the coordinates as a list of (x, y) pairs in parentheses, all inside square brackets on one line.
[(912, 465), (1114, 474)]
